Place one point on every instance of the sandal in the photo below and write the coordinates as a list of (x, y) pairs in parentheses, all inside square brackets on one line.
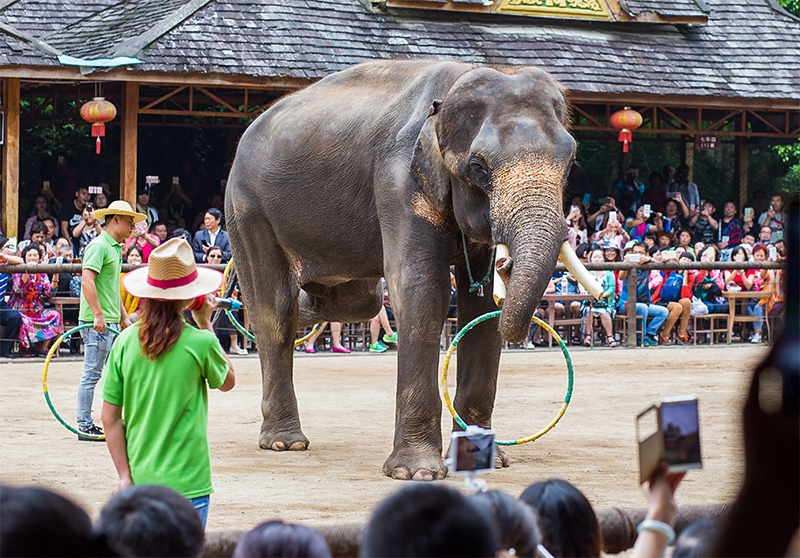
[(610, 341), (587, 342)]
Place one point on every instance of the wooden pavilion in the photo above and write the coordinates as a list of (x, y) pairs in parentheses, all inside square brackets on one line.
[(693, 68)]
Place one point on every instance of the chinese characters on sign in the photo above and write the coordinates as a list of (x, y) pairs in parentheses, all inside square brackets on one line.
[(706, 142)]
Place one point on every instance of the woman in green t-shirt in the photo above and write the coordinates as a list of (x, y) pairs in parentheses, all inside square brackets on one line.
[(157, 377)]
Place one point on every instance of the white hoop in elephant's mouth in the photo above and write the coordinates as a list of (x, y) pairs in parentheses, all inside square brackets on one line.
[(567, 397)]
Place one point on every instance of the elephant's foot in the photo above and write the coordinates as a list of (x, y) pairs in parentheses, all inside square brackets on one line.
[(500, 458), (282, 440), (410, 464)]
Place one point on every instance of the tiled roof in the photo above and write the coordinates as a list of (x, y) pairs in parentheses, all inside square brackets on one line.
[(667, 7), (749, 48)]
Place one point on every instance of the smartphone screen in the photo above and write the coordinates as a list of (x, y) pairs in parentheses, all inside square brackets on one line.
[(681, 425), (471, 451), (586, 199)]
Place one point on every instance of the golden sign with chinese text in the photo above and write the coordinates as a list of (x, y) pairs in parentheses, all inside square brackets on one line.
[(595, 9)]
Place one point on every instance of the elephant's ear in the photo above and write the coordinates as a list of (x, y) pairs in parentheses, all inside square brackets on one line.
[(427, 164)]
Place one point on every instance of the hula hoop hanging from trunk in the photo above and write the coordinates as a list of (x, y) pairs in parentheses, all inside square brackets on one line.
[(50, 354), (452, 348)]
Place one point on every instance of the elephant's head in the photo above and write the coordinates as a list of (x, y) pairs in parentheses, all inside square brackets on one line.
[(497, 148)]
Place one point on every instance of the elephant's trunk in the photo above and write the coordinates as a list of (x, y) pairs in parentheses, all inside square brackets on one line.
[(528, 218)]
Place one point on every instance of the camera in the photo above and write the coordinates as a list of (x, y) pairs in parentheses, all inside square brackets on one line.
[(603, 201), (669, 430), (634, 258), (671, 195), (471, 450)]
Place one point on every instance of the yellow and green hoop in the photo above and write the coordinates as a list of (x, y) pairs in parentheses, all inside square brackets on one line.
[(567, 397), (241, 329), (47, 360)]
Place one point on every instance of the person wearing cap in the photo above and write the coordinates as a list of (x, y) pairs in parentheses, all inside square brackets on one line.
[(143, 205), (101, 304), (158, 374)]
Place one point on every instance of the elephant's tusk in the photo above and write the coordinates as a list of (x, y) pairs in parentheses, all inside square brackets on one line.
[(501, 256), (575, 266)]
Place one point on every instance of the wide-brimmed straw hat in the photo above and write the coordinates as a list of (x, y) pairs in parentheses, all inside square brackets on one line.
[(171, 274), (119, 207)]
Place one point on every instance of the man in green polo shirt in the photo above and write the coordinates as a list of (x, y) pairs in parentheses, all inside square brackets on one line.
[(101, 305)]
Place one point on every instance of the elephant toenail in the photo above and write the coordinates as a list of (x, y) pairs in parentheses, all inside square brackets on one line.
[(401, 473), (278, 446), (297, 446), (423, 475)]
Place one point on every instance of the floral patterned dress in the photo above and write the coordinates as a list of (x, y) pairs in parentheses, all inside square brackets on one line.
[(38, 323)]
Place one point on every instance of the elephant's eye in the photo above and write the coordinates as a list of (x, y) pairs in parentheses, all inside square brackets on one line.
[(479, 172)]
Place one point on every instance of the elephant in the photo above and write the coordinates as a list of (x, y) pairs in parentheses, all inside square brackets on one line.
[(400, 169)]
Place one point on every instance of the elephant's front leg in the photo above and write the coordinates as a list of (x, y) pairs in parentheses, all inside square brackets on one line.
[(479, 349), (419, 290)]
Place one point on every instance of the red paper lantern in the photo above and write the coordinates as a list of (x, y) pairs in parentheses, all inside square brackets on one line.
[(626, 120), (98, 111)]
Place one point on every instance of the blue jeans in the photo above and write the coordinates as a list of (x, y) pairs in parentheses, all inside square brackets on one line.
[(657, 314), (11, 321), (201, 505), (717, 307), (755, 309), (96, 349)]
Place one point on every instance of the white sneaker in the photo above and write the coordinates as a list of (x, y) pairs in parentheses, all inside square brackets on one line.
[(756, 338), (530, 345), (237, 350)]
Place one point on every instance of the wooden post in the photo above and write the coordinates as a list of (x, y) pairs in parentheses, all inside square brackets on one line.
[(689, 157), (11, 157), (128, 145), (742, 156), (631, 317)]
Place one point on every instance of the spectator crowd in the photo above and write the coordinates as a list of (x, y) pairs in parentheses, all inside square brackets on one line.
[(668, 219), (58, 231)]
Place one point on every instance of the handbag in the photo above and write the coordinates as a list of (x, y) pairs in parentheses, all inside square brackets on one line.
[(698, 307)]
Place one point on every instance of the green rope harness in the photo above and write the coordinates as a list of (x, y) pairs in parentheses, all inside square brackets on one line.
[(475, 286)]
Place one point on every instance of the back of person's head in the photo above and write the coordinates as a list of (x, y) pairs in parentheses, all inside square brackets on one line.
[(38, 522), (568, 522), (428, 520), (514, 521), (151, 520), (182, 233), (276, 538), (696, 540)]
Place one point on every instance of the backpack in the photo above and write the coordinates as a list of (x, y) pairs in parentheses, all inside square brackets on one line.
[(671, 290)]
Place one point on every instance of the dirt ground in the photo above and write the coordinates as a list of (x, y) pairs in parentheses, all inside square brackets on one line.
[(347, 409)]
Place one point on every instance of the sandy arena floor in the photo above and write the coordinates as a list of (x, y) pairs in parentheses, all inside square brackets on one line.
[(347, 409)]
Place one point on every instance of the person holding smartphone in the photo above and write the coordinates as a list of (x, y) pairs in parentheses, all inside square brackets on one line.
[(774, 218), (87, 230), (211, 235), (143, 239)]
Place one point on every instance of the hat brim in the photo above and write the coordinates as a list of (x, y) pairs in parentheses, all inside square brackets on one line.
[(207, 281), (102, 213)]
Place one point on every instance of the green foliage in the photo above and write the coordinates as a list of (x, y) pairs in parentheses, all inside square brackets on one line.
[(789, 185), (791, 6), (788, 153)]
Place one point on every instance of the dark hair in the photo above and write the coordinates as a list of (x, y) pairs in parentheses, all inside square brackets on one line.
[(32, 247), (160, 326), (515, 521), (696, 540), (182, 233), (653, 250), (3, 241), (711, 201), (38, 227), (428, 520), (582, 249), (133, 248), (276, 538), (149, 520), (651, 235), (686, 255), (81, 187), (155, 224), (215, 249), (38, 522), (655, 174), (51, 219), (738, 249), (214, 212), (566, 518)]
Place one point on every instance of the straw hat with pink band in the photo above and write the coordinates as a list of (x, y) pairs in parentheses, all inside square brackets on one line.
[(171, 274)]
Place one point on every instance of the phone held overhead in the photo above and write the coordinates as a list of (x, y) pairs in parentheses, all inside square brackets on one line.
[(669, 430)]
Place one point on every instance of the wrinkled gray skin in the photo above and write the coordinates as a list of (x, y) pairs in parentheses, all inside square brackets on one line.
[(375, 171)]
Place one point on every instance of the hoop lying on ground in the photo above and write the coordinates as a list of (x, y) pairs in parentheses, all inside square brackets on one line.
[(50, 354), (452, 347)]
